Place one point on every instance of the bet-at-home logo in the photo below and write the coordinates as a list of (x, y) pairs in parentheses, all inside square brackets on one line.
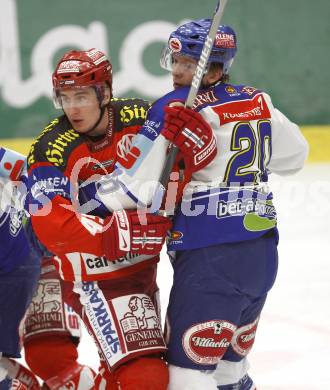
[(22, 92)]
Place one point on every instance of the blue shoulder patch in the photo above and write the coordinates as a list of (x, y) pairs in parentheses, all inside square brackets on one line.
[(44, 183)]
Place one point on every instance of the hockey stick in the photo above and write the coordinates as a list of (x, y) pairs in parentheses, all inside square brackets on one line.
[(195, 84)]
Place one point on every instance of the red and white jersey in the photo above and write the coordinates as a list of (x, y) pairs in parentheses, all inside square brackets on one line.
[(60, 159)]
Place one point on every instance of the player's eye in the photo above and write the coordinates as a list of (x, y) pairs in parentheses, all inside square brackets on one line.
[(82, 99), (65, 99)]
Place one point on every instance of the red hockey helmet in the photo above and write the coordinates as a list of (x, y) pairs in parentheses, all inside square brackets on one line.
[(89, 68)]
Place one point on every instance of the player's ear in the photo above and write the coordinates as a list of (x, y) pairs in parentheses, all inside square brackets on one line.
[(213, 74), (107, 96)]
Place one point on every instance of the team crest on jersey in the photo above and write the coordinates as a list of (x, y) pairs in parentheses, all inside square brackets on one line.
[(244, 337), (126, 152), (206, 342)]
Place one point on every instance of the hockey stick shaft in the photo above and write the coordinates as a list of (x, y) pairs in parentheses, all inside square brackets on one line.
[(205, 54), (195, 84)]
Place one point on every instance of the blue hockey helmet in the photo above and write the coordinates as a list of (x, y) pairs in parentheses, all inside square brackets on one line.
[(188, 40)]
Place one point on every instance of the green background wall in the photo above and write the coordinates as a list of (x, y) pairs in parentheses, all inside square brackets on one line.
[(283, 49)]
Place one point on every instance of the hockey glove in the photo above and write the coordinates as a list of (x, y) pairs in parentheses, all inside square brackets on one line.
[(23, 378), (189, 131), (135, 232), (73, 377)]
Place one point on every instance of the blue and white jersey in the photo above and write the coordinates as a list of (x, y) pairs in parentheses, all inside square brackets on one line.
[(14, 246), (230, 200)]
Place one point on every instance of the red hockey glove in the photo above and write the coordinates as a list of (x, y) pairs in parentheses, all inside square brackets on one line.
[(135, 232), (73, 377), (189, 131), (17, 385)]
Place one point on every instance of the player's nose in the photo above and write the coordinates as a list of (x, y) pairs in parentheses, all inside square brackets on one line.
[(177, 70)]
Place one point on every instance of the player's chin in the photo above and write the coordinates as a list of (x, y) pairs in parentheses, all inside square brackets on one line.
[(80, 127)]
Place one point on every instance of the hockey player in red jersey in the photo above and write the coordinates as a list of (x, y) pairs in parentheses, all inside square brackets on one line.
[(110, 259), (51, 329), (108, 262)]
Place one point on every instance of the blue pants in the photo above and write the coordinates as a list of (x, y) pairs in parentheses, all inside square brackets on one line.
[(216, 292), (16, 291)]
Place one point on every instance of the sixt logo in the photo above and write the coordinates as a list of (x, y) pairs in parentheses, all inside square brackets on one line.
[(128, 113), (54, 153), (31, 157)]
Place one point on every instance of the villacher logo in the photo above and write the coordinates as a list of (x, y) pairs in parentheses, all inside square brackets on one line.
[(206, 343)]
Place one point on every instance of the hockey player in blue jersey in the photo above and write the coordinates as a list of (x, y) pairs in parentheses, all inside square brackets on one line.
[(40, 334), (224, 237), (19, 273)]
